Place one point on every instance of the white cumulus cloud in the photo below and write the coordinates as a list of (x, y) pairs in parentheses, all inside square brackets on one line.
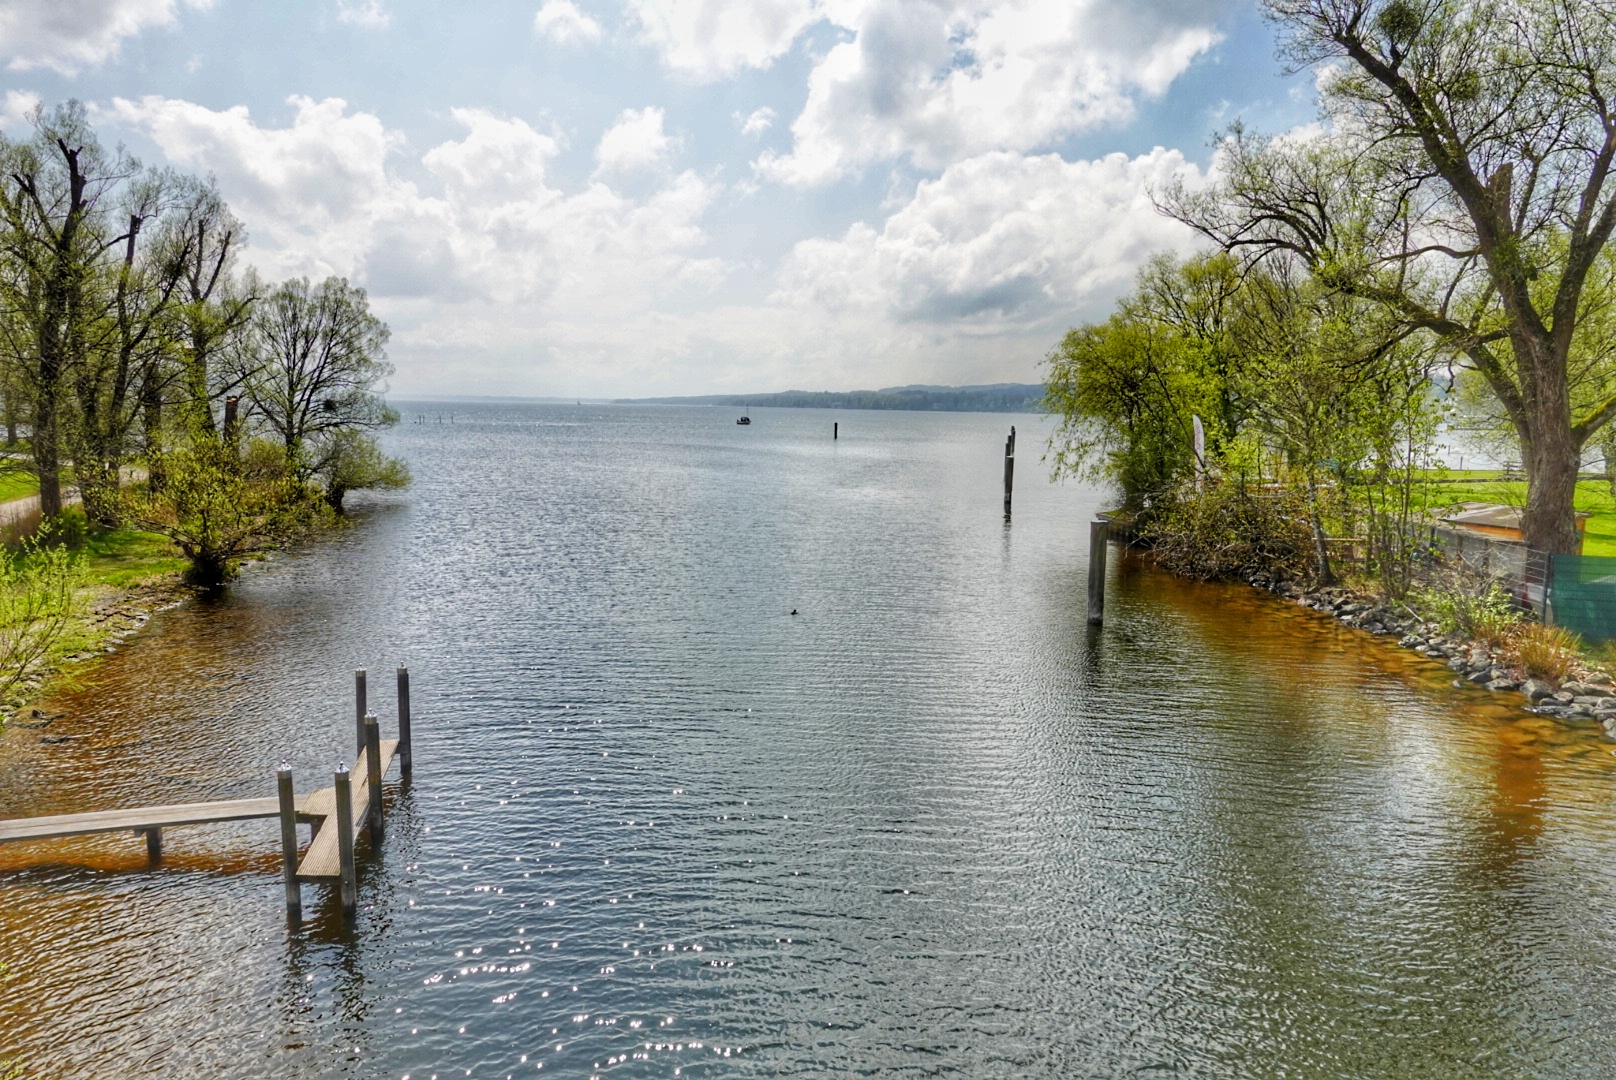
[(367, 14), (707, 40), (635, 142), (69, 35), (1001, 238), (564, 24), (936, 81), (487, 261), (757, 121)]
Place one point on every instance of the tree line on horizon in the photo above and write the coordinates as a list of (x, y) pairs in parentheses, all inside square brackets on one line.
[(1441, 242), (178, 391), (996, 397)]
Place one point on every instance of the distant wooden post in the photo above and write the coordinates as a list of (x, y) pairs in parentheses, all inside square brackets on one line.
[(835, 430), (373, 776), (404, 721), (359, 709), (1099, 533), (154, 843), (1009, 469), (283, 784), (345, 840)]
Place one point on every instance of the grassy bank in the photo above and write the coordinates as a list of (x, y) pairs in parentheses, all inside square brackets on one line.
[(1450, 486), (123, 576)]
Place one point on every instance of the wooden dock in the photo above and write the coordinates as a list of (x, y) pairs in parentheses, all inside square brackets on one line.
[(338, 815)]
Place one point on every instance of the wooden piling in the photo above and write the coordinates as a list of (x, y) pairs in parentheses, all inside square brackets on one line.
[(360, 709), (404, 721), (345, 840), (154, 843), (373, 777), (1009, 469), (283, 784), (835, 430), (1099, 534)]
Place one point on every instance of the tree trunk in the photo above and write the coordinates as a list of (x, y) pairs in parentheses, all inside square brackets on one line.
[(1321, 550), (47, 460), (1550, 452)]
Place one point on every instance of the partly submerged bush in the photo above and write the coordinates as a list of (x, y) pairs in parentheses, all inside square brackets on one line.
[(1230, 530)]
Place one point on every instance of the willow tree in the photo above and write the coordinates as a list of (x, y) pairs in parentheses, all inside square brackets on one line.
[(1463, 182)]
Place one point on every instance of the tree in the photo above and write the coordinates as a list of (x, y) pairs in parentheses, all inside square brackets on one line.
[(313, 358), (220, 508), (1127, 389), (353, 462), (1464, 184), (52, 233)]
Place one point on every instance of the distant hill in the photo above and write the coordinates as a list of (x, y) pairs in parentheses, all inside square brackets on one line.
[(997, 397)]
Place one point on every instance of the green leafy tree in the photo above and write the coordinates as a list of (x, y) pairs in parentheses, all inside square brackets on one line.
[(39, 603), (353, 461), (314, 359), (1127, 390), (220, 508), (1464, 183), (54, 191)]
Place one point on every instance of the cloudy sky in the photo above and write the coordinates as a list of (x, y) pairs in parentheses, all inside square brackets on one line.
[(635, 197)]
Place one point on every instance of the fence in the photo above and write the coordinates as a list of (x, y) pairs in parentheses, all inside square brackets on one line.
[(1519, 570), (1582, 595)]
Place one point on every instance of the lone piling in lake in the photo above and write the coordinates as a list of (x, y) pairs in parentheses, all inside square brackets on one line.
[(1099, 534), (1009, 469)]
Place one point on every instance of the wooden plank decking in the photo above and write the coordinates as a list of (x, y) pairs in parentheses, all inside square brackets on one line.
[(140, 819), (330, 853), (321, 860)]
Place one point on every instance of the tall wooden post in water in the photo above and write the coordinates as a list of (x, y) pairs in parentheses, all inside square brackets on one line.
[(1009, 469), (345, 840), (288, 801), (360, 709), (1099, 533), (404, 721)]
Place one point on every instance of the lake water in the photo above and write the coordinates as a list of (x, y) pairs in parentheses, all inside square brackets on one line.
[(931, 825)]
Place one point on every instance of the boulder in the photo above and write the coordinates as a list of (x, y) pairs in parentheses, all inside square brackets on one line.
[(1537, 689), (1565, 697), (1502, 684)]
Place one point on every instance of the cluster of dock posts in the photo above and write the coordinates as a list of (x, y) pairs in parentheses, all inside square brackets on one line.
[(337, 815)]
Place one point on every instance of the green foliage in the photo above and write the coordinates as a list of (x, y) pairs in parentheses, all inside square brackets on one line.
[(354, 461), (1229, 531), (1127, 390), (219, 507), (1476, 609), (39, 602)]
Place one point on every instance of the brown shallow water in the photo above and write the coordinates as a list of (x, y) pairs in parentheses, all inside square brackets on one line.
[(930, 826)]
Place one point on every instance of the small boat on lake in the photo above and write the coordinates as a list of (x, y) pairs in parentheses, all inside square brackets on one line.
[(744, 420)]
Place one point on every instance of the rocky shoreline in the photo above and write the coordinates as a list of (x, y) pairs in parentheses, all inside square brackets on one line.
[(1591, 697)]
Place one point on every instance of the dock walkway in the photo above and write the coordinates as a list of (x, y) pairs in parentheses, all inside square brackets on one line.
[(338, 815)]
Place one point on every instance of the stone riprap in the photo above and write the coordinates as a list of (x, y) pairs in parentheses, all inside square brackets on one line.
[(1589, 697)]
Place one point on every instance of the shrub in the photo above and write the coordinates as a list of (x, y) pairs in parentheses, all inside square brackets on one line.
[(1479, 610), (39, 600), (1546, 651), (1229, 531)]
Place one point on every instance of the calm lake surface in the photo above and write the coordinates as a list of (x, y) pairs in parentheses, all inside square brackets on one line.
[(929, 826)]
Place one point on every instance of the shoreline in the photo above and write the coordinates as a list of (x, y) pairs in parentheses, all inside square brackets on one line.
[(111, 615), (1589, 697)]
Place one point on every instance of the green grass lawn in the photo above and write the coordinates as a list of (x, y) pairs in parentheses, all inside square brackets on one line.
[(14, 484), (1475, 486), (122, 557)]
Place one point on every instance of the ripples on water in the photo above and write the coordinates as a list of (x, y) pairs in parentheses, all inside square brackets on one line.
[(928, 826)]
